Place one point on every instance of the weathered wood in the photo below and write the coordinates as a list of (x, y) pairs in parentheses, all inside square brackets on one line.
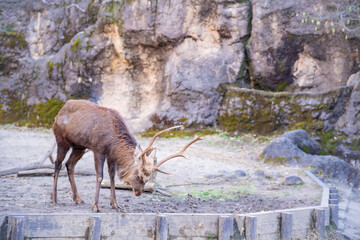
[(3, 226), (52, 226), (302, 221), (333, 196), (149, 186), (326, 190), (250, 227), (333, 190), (128, 226), (226, 227), (95, 228), (32, 166), (162, 227), (50, 172), (16, 228), (334, 215), (286, 226), (320, 222), (37, 165), (239, 226), (191, 226)]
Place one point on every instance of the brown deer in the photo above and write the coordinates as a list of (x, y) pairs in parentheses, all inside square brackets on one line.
[(81, 125)]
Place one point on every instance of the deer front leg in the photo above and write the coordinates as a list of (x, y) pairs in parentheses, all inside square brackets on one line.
[(113, 202), (99, 167)]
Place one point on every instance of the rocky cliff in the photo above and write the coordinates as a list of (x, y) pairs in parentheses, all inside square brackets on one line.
[(163, 62)]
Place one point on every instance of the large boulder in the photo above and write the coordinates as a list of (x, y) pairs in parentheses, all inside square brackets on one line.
[(297, 148)]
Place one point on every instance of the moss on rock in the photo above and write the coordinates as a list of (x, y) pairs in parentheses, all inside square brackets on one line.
[(17, 111), (247, 110), (13, 40), (181, 133), (76, 45)]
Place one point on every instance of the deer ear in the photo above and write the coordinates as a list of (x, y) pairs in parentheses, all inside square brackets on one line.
[(153, 154)]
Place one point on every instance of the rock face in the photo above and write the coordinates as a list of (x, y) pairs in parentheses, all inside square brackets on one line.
[(297, 148), (263, 112), (164, 62), (284, 51), (349, 123), (153, 61)]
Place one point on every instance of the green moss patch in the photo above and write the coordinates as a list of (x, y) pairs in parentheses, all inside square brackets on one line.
[(181, 133), (248, 110), (17, 111), (13, 40), (76, 45)]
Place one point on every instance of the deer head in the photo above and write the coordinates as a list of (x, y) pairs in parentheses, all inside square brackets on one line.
[(145, 167)]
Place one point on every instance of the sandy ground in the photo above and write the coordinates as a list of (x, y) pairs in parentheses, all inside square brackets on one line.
[(206, 182)]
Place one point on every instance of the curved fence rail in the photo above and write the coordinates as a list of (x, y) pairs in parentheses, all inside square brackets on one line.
[(279, 224)]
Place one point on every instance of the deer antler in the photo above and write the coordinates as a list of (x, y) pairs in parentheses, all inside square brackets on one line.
[(179, 154), (154, 137)]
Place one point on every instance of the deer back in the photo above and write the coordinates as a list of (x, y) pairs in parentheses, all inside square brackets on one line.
[(85, 124)]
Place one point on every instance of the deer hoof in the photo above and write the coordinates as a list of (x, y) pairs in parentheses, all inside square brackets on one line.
[(53, 199), (78, 200), (95, 208), (116, 207)]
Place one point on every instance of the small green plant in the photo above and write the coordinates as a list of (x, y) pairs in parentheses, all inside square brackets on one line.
[(50, 67), (75, 46), (88, 46), (336, 16)]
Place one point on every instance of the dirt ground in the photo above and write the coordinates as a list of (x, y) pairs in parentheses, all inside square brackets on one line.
[(208, 182)]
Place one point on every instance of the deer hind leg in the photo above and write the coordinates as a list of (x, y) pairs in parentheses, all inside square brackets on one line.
[(99, 167), (62, 149), (111, 168), (75, 156)]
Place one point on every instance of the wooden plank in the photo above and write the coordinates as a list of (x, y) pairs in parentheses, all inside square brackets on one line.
[(269, 222), (128, 226), (193, 225), (302, 221), (326, 190), (47, 226)]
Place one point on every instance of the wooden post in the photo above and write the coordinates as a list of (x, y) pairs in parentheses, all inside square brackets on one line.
[(320, 222), (95, 228), (334, 215), (15, 229), (250, 227), (286, 226), (162, 227), (226, 227)]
